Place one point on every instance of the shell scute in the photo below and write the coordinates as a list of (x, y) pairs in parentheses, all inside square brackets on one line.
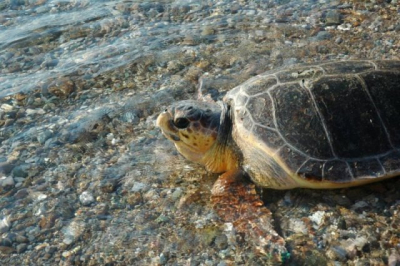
[(261, 108), (385, 93), (269, 136), (260, 85), (391, 162), (387, 64), (241, 100), (299, 74), (349, 114), (337, 170), (348, 67), (293, 159), (298, 121), (244, 117), (311, 170), (370, 167)]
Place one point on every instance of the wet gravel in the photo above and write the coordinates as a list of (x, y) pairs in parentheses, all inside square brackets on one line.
[(87, 178)]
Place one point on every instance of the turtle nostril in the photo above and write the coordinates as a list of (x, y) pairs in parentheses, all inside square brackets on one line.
[(181, 123)]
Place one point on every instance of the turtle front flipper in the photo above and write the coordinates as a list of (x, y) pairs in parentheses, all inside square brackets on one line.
[(236, 202)]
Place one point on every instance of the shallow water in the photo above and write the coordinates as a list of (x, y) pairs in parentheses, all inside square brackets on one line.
[(90, 179), (47, 39)]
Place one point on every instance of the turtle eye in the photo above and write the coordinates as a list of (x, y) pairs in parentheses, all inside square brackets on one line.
[(181, 123)]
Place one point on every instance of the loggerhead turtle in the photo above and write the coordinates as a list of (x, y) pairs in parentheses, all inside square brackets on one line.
[(323, 126)]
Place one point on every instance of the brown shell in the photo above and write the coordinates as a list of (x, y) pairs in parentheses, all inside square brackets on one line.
[(336, 122)]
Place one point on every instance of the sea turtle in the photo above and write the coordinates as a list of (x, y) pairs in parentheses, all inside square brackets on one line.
[(328, 125)]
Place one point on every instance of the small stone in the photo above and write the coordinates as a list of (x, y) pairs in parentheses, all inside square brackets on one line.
[(49, 63), (174, 66), (43, 136), (6, 182), (21, 239), (323, 35), (5, 242), (6, 250), (86, 198), (176, 194), (221, 241), (139, 187), (21, 248), (21, 194), (6, 168), (338, 40), (208, 30), (21, 171), (317, 218), (336, 253), (163, 259), (61, 88), (360, 205), (6, 107), (298, 226), (134, 199), (191, 40), (394, 258), (109, 185), (47, 221), (332, 18)]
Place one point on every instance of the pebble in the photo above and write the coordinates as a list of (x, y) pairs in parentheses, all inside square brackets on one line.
[(323, 35), (109, 185), (163, 259), (21, 239), (5, 242), (139, 187), (332, 18), (86, 198), (21, 170), (43, 136), (221, 241), (6, 168), (337, 253), (21, 248), (4, 224), (317, 218), (338, 40), (6, 182)]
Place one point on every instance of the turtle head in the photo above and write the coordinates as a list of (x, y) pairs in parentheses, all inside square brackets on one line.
[(192, 126)]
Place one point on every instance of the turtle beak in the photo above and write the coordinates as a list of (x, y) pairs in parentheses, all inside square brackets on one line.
[(164, 121)]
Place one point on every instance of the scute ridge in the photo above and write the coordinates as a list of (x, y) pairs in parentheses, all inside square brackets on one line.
[(321, 117), (365, 87), (279, 133)]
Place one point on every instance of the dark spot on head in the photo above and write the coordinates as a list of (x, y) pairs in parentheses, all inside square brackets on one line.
[(194, 138), (196, 125), (190, 131), (195, 144), (186, 136)]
